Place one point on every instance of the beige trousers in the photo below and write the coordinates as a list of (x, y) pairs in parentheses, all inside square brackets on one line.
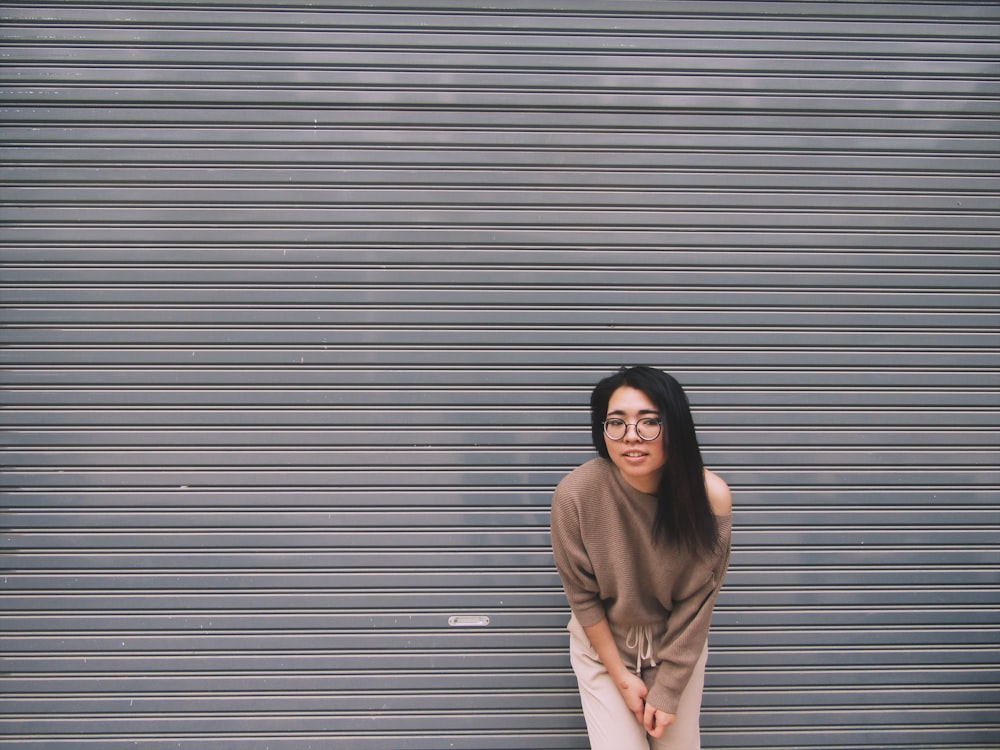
[(610, 724)]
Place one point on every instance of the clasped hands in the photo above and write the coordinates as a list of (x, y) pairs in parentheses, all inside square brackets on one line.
[(634, 691)]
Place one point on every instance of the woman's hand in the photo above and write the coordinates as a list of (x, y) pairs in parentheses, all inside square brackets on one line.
[(631, 686), (634, 691), (656, 722)]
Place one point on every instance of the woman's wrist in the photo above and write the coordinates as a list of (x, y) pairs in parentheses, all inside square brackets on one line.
[(619, 673)]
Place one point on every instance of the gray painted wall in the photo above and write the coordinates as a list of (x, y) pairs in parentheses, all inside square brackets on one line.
[(302, 305)]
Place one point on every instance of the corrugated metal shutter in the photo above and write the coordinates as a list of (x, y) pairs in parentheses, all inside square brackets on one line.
[(302, 305)]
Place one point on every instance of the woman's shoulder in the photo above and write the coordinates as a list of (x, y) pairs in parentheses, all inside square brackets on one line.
[(588, 470), (584, 478), (720, 497)]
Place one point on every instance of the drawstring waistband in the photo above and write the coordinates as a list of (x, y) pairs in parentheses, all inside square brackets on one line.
[(640, 637)]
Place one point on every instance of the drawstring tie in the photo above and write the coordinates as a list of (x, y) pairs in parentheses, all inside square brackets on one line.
[(640, 637)]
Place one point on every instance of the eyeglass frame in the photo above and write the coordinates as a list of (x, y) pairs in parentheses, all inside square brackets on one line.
[(659, 431)]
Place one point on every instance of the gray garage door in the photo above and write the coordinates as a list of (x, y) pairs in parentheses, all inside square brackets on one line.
[(302, 303)]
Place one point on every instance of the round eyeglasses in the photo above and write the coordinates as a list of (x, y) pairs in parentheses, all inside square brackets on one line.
[(647, 429)]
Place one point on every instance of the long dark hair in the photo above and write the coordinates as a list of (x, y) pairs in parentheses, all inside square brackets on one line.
[(683, 514)]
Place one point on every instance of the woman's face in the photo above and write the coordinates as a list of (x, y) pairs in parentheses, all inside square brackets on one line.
[(641, 462)]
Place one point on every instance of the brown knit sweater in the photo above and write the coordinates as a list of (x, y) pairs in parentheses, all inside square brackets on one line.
[(612, 568)]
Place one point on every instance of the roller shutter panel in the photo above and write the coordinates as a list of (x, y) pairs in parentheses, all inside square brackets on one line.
[(302, 304)]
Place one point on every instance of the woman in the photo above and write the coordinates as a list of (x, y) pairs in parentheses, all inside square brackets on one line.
[(641, 541)]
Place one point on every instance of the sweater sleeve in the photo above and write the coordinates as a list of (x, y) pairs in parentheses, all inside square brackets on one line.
[(687, 630), (572, 561)]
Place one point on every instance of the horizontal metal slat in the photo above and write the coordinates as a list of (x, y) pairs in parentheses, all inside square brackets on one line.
[(717, 441), (500, 354), (979, 273), (738, 390), (773, 680), (731, 621), (394, 479), (610, 60), (537, 137), (476, 459), (505, 699), (350, 237), (754, 563), (515, 158), (685, 124), (525, 718), (632, 15)]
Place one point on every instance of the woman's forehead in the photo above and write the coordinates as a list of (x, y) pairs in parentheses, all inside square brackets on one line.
[(628, 400)]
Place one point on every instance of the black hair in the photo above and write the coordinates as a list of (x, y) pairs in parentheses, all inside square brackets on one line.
[(684, 516)]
